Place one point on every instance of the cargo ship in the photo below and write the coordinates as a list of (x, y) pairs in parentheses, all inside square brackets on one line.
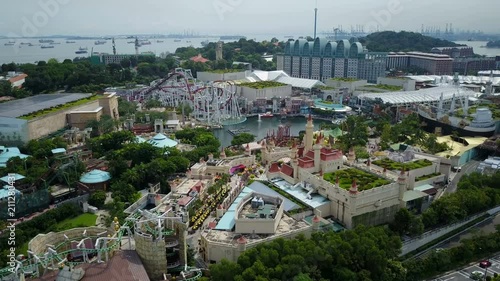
[(480, 123)]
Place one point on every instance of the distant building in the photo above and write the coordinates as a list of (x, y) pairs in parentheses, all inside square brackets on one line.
[(465, 66), (323, 59), (434, 64), (199, 58), (16, 79), (115, 59), (34, 117), (454, 52)]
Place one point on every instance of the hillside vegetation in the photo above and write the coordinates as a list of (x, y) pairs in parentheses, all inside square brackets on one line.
[(390, 41)]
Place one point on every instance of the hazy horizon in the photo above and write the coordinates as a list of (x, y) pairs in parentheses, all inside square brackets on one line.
[(112, 17)]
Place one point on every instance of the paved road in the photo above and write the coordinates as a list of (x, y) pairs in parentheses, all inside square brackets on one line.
[(466, 169), (464, 274)]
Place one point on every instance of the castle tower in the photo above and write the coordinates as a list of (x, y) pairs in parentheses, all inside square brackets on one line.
[(402, 187), (316, 223), (218, 51), (247, 150), (309, 134), (242, 244), (351, 157), (220, 211), (317, 154), (222, 154), (354, 188), (295, 160)]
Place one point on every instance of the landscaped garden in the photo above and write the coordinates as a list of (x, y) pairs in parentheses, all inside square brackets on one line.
[(223, 71), (344, 79), (427, 177), (385, 87), (59, 107), (397, 166), (364, 180), (262, 84)]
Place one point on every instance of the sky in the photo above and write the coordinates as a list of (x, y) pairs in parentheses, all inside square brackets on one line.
[(239, 17)]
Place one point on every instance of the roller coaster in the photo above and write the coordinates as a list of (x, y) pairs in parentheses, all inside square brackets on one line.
[(90, 249), (214, 103)]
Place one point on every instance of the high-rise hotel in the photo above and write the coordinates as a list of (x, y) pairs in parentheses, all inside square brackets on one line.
[(323, 59)]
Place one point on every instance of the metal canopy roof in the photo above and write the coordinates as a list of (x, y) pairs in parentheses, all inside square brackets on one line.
[(18, 108), (420, 96)]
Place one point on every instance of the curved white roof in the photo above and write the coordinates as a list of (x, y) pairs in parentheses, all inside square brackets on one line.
[(420, 96), (446, 79)]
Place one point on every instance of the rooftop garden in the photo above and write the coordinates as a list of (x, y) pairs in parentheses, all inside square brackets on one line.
[(385, 87), (364, 180), (223, 71), (262, 84), (426, 177), (60, 107), (344, 79), (397, 166)]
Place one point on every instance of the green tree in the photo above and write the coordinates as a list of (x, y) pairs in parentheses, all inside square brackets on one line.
[(385, 137), (97, 198), (356, 132), (242, 139)]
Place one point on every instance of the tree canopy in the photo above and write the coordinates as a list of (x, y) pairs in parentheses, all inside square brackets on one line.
[(359, 254), (403, 41)]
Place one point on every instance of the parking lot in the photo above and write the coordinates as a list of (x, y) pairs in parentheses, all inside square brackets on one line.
[(464, 274)]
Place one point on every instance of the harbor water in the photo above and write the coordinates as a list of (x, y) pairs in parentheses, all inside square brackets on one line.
[(261, 128)]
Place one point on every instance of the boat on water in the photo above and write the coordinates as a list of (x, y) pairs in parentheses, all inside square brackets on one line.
[(70, 42), (480, 123), (131, 42), (177, 40), (146, 42), (55, 43), (159, 41), (47, 47), (266, 115), (9, 44), (100, 42), (45, 41), (81, 51)]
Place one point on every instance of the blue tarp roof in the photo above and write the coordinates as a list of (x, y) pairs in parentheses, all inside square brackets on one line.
[(10, 152), (15, 176), (95, 176), (227, 221), (58, 150), (4, 192)]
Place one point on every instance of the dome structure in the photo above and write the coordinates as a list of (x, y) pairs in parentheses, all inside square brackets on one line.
[(95, 176), (162, 141)]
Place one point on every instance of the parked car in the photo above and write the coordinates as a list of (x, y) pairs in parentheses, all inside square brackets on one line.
[(485, 264), (476, 275)]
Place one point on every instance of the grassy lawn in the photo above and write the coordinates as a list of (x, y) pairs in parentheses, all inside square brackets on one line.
[(82, 220), (397, 166), (364, 180), (385, 87)]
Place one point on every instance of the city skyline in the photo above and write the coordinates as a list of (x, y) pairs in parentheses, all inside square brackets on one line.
[(93, 18)]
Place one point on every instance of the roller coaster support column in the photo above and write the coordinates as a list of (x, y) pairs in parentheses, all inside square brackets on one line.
[(129, 232), (37, 262), (84, 252), (98, 247)]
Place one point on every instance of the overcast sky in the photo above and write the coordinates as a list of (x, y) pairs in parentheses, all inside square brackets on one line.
[(242, 17)]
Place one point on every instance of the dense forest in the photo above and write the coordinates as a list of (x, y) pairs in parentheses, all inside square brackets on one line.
[(390, 41)]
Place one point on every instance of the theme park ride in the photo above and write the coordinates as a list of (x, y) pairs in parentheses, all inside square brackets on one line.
[(213, 103), (85, 248)]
